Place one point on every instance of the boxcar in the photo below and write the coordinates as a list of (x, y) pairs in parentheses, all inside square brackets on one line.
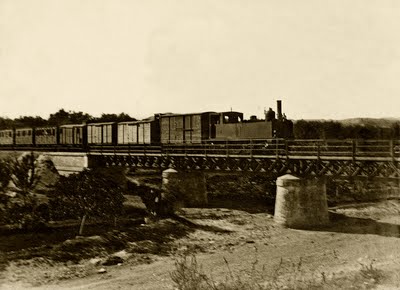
[(24, 136), (74, 134), (6, 137), (46, 136), (187, 128), (139, 132), (102, 133)]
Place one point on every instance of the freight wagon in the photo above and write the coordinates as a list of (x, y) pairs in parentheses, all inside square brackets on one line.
[(187, 128), (140, 132), (102, 133), (73, 135)]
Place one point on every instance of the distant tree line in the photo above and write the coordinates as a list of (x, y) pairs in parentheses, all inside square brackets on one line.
[(61, 117), (311, 129)]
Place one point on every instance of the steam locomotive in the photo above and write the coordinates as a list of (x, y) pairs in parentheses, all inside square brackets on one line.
[(194, 128)]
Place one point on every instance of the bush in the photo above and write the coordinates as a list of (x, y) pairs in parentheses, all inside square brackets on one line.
[(89, 194), (188, 275), (24, 175), (5, 174), (61, 209), (26, 214)]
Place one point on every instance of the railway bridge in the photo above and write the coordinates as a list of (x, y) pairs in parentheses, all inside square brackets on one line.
[(304, 158), (334, 158), (300, 200)]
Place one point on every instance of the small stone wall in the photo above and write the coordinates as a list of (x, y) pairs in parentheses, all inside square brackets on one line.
[(301, 203)]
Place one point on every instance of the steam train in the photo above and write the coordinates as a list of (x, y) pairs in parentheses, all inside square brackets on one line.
[(195, 128)]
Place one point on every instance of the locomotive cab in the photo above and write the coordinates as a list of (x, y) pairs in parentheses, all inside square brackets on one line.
[(232, 126)]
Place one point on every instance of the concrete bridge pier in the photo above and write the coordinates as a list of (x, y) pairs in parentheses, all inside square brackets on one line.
[(301, 203), (184, 188)]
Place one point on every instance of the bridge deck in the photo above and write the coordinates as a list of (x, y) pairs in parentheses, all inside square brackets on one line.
[(366, 158)]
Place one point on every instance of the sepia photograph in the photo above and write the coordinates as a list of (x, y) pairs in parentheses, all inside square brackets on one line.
[(199, 144)]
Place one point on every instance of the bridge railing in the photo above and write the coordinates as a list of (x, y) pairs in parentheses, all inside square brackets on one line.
[(271, 148), (263, 148), (291, 148)]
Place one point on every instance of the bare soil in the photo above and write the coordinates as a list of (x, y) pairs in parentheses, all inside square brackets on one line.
[(232, 242)]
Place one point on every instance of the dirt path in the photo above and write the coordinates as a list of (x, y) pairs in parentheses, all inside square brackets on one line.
[(358, 236)]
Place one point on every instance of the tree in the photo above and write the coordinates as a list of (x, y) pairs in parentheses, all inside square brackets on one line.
[(304, 129), (5, 174), (6, 123), (91, 194), (24, 209), (27, 121), (24, 175), (114, 118), (62, 117), (5, 177)]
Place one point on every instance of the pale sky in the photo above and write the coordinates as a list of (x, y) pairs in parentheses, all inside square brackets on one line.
[(327, 59)]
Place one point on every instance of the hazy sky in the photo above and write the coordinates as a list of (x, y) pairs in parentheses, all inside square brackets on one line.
[(324, 59)]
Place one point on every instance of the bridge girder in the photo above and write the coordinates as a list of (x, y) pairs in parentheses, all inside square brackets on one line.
[(274, 166)]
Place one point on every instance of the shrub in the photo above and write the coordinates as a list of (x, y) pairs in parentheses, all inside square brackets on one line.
[(24, 175), (5, 174), (188, 275), (26, 214), (90, 194)]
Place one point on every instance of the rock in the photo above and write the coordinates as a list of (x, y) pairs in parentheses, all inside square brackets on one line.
[(122, 254), (101, 271), (95, 261), (113, 260), (47, 173), (144, 247)]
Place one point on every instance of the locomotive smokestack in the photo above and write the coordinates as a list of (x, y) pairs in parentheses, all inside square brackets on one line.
[(279, 107)]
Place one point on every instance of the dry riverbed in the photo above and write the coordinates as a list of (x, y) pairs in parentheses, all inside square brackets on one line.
[(359, 250)]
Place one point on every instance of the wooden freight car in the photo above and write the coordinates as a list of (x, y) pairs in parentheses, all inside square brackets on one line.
[(24, 136), (6, 137), (46, 136), (146, 131), (73, 135), (187, 128), (102, 133)]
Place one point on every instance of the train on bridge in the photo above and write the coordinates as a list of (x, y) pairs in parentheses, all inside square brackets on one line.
[(160, 129)]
